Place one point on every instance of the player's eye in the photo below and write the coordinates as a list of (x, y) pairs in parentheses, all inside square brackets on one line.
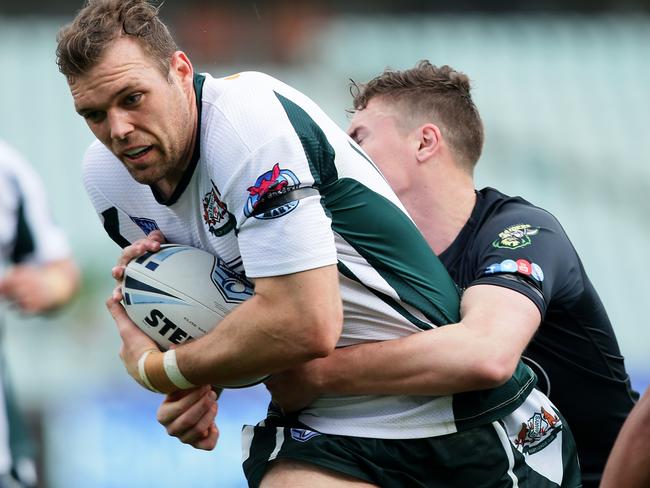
[(132, 99), (94, 116)]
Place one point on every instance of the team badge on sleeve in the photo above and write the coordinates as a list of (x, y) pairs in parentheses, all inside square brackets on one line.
[(515, 236), (270, 185), (216, 215)]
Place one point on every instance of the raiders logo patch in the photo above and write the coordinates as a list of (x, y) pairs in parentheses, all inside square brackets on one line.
[(515, 236)]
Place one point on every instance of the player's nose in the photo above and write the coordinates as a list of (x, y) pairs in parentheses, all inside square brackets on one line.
[(120, 125)]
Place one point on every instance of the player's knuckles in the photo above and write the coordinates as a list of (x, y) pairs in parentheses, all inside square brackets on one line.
[(193, 435), (157, 236), (207, 444), (164, 417)]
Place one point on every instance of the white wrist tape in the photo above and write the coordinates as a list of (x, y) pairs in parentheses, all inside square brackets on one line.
[(174, 374), (143, 373)]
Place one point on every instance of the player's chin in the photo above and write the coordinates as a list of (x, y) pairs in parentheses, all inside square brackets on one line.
[(145, 176)]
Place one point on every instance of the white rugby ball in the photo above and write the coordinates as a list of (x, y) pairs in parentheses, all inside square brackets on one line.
[(181, 293)]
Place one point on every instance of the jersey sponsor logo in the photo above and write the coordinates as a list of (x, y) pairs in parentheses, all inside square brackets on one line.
[(272, 184), (521, 266), (303, 435), (515, 236), (215, 214), (147, 225), (524, 267), (538, 431), (233, 286)]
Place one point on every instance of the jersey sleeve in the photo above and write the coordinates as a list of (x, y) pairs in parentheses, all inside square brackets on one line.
[(525, 249), (35, 236), (118, 224), (273, 191)]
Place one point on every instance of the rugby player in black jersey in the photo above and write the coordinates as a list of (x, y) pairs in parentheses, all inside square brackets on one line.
[(422, 129)]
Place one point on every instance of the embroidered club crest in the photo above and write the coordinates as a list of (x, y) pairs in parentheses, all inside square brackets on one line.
[(515, 236), (268, 186), (538, 432), (215, 214)]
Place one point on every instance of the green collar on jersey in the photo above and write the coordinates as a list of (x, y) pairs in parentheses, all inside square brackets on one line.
[(189, 171)]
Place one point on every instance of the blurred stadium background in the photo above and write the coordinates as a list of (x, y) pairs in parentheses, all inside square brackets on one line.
[(563, 90)]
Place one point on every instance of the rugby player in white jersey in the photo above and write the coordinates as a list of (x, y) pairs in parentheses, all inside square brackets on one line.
[(37, 275), (252, 170)]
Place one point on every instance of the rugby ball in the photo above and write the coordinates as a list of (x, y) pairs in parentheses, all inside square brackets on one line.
[(181, 293)]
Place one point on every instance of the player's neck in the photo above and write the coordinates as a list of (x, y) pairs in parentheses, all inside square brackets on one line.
[(167, 185), (441, 205)]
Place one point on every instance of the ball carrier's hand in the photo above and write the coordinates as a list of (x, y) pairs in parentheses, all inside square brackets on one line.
[(190, 416), (135, 343), (151, 243)]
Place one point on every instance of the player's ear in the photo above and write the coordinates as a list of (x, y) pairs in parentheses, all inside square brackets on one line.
[(181, 66), (429, 141)]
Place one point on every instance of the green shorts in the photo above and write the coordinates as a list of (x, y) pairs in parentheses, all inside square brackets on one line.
[(529, 449)]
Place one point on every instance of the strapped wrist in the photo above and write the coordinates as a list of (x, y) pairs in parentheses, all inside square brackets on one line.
[(142, 372), (174, 373)]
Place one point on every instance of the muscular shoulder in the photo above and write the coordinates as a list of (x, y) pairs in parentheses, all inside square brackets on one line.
[(251, 108), (513, 222)]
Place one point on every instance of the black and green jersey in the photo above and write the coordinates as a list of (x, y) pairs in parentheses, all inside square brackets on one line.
[(511, 243)]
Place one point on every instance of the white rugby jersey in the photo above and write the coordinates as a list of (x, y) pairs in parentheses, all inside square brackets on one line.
[(275, 187), (27, 235), (27, 232)]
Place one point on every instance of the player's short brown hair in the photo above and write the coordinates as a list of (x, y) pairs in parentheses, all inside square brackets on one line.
[(440, 94), (82, 42)]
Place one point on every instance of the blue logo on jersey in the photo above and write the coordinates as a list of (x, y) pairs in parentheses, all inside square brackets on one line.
[(147, 225), (508, 266), (233, 286), (268, 186), (522, 267), (303, 435)]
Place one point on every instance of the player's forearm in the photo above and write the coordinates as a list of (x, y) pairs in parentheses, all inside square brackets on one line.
[(443, 361), (260, 337)]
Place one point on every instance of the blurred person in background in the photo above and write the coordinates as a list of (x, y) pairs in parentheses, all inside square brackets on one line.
[(628, 464), (422, 129), (37, 275), (253, 171)]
